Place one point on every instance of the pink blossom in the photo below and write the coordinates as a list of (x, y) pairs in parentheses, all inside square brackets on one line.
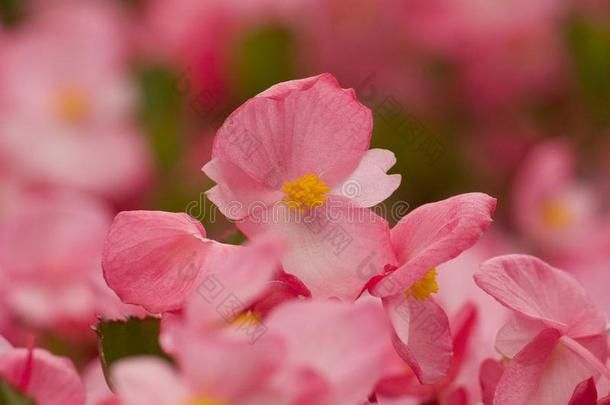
[(69, 106), (295, 159), (427, 237), (556, 338), (50, 247), (47, 379)]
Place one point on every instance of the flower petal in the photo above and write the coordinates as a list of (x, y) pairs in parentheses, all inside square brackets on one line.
[(585, 393), (434, 234), (334, 250), (154, 258), (52, 380), (369, 184), (536, 290), (421, 336), (148, 380), (298, 127), (543, 373)]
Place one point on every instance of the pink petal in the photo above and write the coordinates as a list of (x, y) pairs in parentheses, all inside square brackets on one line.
[(294, 128), (433, 234), (148, 380), (489, 376), (154, 258), (344, 343), (239, 280), (369, 184), (52, 380), (536, 290), (543, 373), (516, 334), (236, 195), (421, 336), (334, 250), (585, 393)]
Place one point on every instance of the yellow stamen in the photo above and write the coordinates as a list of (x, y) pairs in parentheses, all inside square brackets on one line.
[(556, 214), (422, 289), (247, 318), (72, 105), (305, 192)]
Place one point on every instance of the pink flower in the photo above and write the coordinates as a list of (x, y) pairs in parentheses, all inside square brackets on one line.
[(50, 247), (556, 211), (556, 338), (585, 393), (97, 389), (427, 237), (296, 159), (311, 352), (47, 379), (69, 106)]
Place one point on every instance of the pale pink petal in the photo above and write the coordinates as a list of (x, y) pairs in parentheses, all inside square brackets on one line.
[(236, 195), (225, 368), (98, 392), (334, 250), (148, 380), (154, 259), (342, 342), (294, 128), (369, 184), (421, 336), (238, 281), (538, 291), (517, 333), (48, 379), (433, 234), (543, 373)]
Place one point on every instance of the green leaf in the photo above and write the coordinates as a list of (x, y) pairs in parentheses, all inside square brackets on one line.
[(133, 337), (10, 396)]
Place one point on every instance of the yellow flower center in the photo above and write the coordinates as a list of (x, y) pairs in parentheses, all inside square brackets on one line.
[(247, 318), (72, 105), (422, 289), (305, 192), (556, 215)]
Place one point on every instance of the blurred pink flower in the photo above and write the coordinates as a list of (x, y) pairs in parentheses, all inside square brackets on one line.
[(556, 338), (558, 213), (295, 159), (47, 379), (427, 237), (69, 106), (50, 247), (504, 50), (96, 387)]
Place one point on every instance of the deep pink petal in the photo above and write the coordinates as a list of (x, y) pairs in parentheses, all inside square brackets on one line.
[(538, 291), (369, 184), (421, 336), (585, 393), (489, 376), (434, 234), (154, 258), (543, 373), (294, 128), (335, 250)]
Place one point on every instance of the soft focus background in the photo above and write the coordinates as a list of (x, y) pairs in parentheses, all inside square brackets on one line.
[(112, 105)]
